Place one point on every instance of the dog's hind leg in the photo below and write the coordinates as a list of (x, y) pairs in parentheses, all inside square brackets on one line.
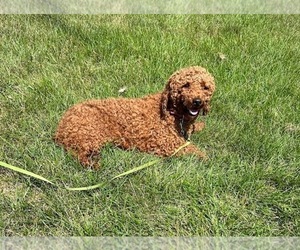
[(89, 158)]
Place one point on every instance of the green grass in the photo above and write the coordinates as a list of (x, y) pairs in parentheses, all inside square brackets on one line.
[(250, 186)]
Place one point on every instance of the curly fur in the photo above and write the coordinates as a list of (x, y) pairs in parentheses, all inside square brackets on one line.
[(158, 123)]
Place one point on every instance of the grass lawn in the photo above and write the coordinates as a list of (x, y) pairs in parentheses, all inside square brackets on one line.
[(250, 186)]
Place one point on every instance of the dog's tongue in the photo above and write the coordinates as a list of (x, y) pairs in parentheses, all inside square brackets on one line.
[(193, 113)]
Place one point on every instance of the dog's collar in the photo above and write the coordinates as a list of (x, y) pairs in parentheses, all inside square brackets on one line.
[(183, 132)]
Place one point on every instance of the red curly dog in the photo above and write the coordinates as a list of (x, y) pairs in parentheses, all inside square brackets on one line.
[(158, 123)]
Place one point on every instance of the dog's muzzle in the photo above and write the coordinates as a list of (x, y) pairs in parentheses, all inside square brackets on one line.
[(196, 107)]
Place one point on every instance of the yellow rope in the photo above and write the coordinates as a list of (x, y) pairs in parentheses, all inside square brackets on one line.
[(148, 164)]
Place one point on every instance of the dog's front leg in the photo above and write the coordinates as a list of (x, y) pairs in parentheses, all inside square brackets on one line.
[(198, 126), (192, 150)]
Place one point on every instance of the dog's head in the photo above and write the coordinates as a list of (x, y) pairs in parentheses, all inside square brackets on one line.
[(188, 93)]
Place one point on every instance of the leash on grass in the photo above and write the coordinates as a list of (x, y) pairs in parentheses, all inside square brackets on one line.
[(133, 170)]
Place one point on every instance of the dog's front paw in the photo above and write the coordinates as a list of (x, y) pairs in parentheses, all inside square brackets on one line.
[(202, 156), (199, 126)]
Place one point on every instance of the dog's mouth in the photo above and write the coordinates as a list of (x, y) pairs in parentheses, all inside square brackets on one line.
[(193, 112), (194, 108), (190, 111)]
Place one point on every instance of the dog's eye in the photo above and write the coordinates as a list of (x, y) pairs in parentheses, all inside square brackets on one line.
[(187, 85), (206, 88)]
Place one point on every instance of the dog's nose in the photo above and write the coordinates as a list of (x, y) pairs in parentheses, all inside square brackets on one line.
[(197, 102)]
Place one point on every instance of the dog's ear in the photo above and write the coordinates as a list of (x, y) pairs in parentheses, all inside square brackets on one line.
[(167, 98), (206, 109), (164, 103)]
